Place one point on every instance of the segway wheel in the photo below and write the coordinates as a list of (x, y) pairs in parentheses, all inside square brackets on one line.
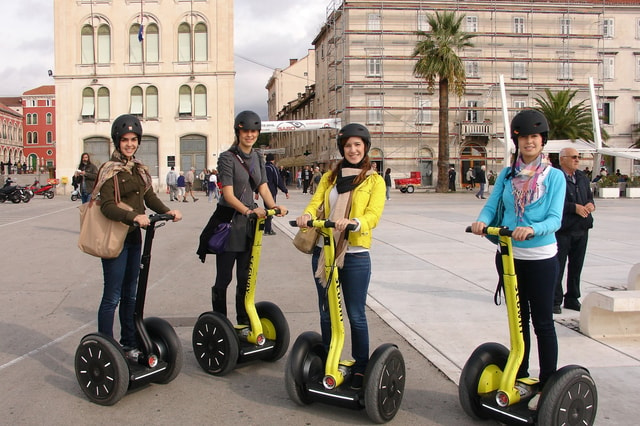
[(101, 369), (215, 344), (169, 348), (484, 367), (274, 327), (305, 365), (569, 397), (384, 383)]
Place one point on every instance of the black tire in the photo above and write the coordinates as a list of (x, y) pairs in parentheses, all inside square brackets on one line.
[(569, 397), (215, 344), (49, 194), (384, 383), (26, 197), (487, 355), (101, 369), (74, 197), (403, 190), (410, 189), (274, 327), (169, 348), (15, 198), (304, 365)]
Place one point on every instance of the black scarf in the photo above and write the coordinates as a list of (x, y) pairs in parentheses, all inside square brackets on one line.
[(346, 177)]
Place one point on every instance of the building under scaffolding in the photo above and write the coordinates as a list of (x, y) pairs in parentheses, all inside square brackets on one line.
[(364, 73)]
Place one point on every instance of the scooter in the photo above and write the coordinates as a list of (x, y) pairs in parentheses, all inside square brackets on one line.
[(219, 346), (75, 195), (312, 374), (489, 387), (103, 371), (48, 190), (10, 192)]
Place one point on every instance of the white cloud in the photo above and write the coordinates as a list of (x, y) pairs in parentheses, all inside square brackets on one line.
[(266, 32)]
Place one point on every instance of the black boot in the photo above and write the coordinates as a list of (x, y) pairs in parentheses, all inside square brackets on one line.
[(241, 312), (219, 300)]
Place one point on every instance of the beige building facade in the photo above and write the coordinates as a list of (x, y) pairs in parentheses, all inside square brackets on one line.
[(169, 62), (364, 73)]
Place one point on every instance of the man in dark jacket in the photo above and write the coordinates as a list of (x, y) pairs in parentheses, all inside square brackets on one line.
[(274, 181), (573, 234)]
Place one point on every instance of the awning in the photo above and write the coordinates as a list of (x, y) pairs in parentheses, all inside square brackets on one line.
[(555, 146), (630, 153)]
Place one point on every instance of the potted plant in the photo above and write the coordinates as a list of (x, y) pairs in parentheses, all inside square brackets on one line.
[(632, 189), (608, 187)]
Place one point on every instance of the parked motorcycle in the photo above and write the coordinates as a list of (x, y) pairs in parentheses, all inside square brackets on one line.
[(10, 192), (75, 195), (48, 190)]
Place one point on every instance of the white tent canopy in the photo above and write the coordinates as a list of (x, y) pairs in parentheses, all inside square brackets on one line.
[(555, 146)]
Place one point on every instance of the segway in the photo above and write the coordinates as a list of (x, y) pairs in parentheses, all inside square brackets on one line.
[(489, 387), (103, 371), (312, 374), (219, 346)]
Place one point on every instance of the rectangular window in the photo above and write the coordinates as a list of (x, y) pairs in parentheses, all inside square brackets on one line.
[(564, 71), (374, 113), (606, 114), (374, 67), (518, 105), (424, 112), (565, 26), (472, 114), (472, 69), (518, 25), (607, 28), (374, 22), (519, 70), (608, 67), (471, 24)]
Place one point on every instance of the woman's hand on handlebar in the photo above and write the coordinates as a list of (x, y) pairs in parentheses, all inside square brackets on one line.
[(478, 228), (301, 221), (283, 210), (341, 224), (521, 233), (142, 220), (177, 216)]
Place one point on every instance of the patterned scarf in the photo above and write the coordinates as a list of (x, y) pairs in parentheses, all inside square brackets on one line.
[(117, 164), (525, 182)]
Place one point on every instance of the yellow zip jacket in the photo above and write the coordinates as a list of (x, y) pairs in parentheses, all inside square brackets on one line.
[(367, 204)]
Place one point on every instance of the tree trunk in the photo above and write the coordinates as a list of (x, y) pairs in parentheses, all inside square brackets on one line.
[(443, 137)]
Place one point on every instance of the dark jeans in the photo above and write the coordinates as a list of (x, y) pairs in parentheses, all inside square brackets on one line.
[(536, 284), (267, 221), (224, 266), (85, 197), (573, 247), (354, 284), (120, 285)]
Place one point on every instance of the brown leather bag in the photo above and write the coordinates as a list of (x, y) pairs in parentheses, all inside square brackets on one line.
[(306, 238)]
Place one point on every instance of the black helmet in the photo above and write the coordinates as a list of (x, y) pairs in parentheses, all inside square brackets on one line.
[(247, 120), (529, 122), (353, 129), (124, 124)]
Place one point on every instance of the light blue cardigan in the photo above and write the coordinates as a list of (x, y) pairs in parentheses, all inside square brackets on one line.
[(543, 215)]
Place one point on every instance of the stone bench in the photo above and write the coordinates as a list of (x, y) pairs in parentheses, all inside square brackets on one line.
[(611, 314)]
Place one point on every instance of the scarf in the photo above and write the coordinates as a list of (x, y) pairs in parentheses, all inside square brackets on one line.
[(118, 164), (525, 182)]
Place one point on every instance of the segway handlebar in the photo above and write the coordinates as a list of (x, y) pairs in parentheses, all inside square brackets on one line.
[(499, 230), (270, 212), (153, 218), (323, 223)]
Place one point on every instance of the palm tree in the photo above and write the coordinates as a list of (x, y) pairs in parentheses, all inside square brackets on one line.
[(437, 59), (567, 121)]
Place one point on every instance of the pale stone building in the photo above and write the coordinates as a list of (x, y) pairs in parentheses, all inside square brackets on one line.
[(169, 62), (364, 73)]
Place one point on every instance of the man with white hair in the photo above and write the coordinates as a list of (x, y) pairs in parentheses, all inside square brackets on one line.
[(189, 180)]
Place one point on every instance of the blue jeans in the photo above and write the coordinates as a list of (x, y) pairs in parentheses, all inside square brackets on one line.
[(354, 283), (120, 285), (536, 287), (85, 197)]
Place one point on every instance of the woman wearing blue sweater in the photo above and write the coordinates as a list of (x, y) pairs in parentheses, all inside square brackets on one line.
[(533, 195)]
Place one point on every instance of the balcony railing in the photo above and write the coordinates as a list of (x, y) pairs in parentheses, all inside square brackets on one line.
[(476, 129)]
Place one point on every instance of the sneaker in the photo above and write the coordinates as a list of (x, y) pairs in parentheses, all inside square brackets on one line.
[(572, 304), (533, 402), (356, 382), (132, 354)]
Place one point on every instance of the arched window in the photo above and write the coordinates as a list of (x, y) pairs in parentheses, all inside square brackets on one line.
[(135, 46), (86, 44), (200, 42), (35, 138), (29, 138), (98, 149), (103, 103), (152, 43), (28, 119), (49, 118), (49, 137), (200, 101), (184, 107), (34, 119), (104, 44), (184, 42), (152, 102), (136, 101), (148, 154), (88, 103)]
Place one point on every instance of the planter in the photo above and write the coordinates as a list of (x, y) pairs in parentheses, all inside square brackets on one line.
[(632, 192), (609, 192)]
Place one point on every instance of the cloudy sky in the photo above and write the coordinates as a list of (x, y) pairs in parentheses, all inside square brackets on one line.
[(267, 34)]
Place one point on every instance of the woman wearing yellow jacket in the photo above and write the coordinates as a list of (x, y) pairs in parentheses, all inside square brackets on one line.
[(350, 194)]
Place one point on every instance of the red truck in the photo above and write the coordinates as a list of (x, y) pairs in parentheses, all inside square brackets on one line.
[(409, 184)]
